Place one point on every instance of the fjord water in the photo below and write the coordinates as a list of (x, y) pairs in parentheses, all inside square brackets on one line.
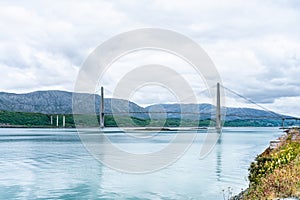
[(54, 164)]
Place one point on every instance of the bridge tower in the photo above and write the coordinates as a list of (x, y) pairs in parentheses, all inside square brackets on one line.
[(102, 108), (218, 109)]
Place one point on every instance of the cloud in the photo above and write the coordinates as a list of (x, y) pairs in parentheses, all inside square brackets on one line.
[(262, 69), (255, 45), (287, 105)]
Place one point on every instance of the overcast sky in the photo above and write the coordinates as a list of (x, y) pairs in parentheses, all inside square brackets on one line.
[(255, 44)]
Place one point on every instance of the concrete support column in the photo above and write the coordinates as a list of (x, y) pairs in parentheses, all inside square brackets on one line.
[(64, 121)]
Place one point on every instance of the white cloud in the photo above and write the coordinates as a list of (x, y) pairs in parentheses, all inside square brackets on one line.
[(254, 44), (287, 105)]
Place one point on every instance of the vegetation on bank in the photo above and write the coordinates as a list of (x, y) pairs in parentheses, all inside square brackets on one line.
[(24, 119), (123, 121), (21, 118), (11, 119), (276, 173)]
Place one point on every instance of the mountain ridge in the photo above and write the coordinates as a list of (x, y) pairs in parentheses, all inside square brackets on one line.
[(60, 102)]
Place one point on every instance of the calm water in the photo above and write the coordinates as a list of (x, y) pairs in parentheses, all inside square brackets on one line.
[(53, 164)]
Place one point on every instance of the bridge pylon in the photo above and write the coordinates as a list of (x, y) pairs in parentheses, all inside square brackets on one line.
[(218, 109), (102, 108)]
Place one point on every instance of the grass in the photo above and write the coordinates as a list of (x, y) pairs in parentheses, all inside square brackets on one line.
[(276, 173)]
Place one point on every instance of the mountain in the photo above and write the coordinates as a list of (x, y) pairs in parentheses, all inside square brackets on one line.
[(39, 102), (60, 102), (187, 110)]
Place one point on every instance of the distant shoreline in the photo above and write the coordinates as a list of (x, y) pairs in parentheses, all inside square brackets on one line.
[(24, 126), (9, 119), (166, 128)]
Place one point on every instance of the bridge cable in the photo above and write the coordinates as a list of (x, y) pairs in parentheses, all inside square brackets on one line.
[(249, 100)]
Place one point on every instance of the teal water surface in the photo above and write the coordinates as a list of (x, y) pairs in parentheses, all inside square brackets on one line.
[(54, 164)]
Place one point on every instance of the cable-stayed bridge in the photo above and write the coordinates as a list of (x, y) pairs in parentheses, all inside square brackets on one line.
[(216, 112)]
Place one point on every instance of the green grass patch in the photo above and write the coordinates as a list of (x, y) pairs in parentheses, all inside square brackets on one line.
[(276, 174)]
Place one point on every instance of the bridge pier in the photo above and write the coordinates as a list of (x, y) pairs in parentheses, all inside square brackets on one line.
[(64, 121)]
